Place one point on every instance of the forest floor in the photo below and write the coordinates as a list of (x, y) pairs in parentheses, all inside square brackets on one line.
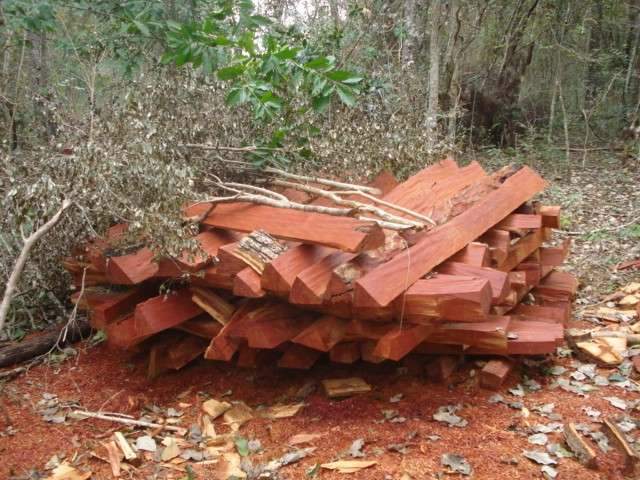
[(394, 421)]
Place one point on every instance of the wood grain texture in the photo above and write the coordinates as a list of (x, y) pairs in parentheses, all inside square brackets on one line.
[(343, 233), (448, 297), (381, 286)]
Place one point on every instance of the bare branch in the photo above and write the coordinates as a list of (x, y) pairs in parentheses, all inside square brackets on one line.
[(29, 242)]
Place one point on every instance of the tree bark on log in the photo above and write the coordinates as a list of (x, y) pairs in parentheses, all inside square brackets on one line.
[(17, 352)]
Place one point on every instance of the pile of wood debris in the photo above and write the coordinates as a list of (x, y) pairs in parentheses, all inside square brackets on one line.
[(618, 330), (451, 261)]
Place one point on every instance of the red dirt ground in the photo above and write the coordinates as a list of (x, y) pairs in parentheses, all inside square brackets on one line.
[(99, 378)]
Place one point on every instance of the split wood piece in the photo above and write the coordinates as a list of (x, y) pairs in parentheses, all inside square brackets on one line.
[(215, 277), (345, 387), (550, 216), (345, 274), (174, 354), (490, 334), (434, 201), (270, 324), (116, 305), (518, 278), (450, 297), (345, 352), (499, 242), (247, 283), (343, 233), (250, 357), (131, 269), (202, 326), (475, 254), (543, 314), (123, 333), (498, 280), (631, 457), (223, 346), (582, 450), (494, 373), (358, 329), (299, 357), (557, 285), (280, 273), (366, 352), (311, 284), (429, 348), (228, 261), (259, 248), (520, 221), (401, 340), (129, 455), (534, 337), (323, 334), (531, 269), (555, 256), (381, 286), (164, 311), (208, 244), (410, 193), (212, 303), (440, 368), (520, 250)]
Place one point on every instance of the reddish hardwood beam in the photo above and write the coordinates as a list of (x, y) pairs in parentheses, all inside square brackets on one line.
[(381, 286)]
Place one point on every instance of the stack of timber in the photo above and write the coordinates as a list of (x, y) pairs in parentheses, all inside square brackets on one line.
[(291, 285)]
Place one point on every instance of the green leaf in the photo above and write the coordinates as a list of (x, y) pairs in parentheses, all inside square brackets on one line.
[(346, 95), (287, 53), (344, 76), (247, 42), (236, 96), (229, 73), (321, 103), (142, 28), (242, 446), (320, 63)]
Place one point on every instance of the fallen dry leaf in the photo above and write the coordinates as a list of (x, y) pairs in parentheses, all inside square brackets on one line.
[(304, 438), (238, 415), (349, 466), (282, 411), (64, 471), (215, 408)]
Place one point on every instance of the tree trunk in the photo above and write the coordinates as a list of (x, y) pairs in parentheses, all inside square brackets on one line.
[(411, 33), (41, 88), (431, 117)]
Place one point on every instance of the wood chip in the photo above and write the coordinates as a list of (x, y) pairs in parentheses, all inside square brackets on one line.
[(171, 451), (124, 446), (238, 415), (584, 453), (304, 438), (64, 471), (215, 408), (114, 456), (345, 387), (349, 466), (282, 411)]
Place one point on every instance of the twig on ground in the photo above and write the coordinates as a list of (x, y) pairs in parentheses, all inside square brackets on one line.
[(128, 421)]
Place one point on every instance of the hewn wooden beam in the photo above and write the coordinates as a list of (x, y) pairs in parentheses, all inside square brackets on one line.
[(448, 297), (381, 286)]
